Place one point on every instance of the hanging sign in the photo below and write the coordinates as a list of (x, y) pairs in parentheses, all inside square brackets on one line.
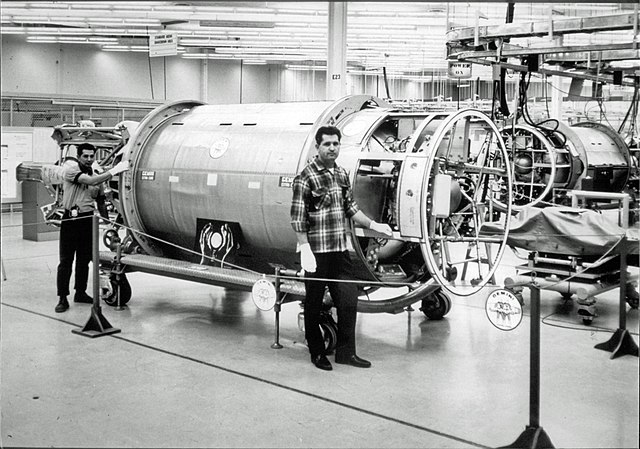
[(503, 310), (165, 44), (459, 69)]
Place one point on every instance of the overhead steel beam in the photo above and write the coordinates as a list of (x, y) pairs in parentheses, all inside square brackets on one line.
[(580, 75), (558, 27), (609, 51)]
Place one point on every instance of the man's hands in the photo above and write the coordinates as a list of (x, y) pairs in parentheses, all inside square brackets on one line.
[(119, 168), (381, 228), (307, 259)]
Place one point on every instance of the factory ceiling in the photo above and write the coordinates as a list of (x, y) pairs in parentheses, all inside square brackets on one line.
[(407, 38)]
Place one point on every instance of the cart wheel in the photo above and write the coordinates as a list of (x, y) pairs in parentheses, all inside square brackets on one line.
[(329, 330), (109, 290), (632, 297), (110, 238), (436, 305), (587, 320)]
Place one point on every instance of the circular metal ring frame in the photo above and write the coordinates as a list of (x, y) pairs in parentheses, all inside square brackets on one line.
[(437, 268)]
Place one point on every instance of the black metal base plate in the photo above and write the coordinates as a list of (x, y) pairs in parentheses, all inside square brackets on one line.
[(532, 438), (621, 343)]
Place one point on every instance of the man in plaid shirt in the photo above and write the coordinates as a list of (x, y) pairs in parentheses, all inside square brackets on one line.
[(322, 202)]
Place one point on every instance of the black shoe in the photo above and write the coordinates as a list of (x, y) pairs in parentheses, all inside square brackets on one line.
[(354, 360), (63, 305), (83, 298), (321, 361)]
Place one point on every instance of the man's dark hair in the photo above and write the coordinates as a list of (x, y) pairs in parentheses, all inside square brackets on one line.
[(85, 147), (327, 131)]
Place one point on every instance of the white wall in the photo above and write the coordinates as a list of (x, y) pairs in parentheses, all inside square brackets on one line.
[(84, 70)]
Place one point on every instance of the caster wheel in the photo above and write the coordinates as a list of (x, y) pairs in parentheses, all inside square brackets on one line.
[(587, 321), (436, 305), (329, 331), (566, 296), (109, 290), (110, 238)]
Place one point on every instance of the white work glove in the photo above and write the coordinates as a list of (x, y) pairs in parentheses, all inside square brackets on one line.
[(119, 168), (307, 259), (381, 228), (97, 169)]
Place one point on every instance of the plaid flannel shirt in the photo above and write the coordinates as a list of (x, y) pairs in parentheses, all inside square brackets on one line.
[(322, 201)]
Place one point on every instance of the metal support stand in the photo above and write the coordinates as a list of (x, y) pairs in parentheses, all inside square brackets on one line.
[(118, 270), (97, 325), (276, 308), (534, 435), (621, 342)]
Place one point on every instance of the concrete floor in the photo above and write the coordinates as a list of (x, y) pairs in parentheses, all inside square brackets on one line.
[(192, 367)]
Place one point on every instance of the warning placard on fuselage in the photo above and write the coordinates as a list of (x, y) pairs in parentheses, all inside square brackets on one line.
[(286, 181), (146, 175)]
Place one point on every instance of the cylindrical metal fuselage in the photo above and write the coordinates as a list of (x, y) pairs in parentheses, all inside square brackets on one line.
[(233, 164)]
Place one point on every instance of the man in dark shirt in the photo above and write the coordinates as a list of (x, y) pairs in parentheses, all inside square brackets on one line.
[(81, 188), (322, 202)]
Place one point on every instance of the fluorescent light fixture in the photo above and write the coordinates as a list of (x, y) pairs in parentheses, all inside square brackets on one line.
[(303, 25), (626, 64), (174, 8), (132, 7), (114, 31), (254, 61), (214, 9), (103, 39), (42, 40), (29, 18), (124, 48), (72, 38), (205, 56), (364, 26), (215, 32), (365, 13), (306, 66), (104, 19), (42, 5), (36, 31), (138, 20), (398, 27), (12, 30), (322, 12), (255, 10), (94, 5), (154, 26)]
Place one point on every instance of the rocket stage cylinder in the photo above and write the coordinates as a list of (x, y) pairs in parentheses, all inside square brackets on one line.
[(192, 163)]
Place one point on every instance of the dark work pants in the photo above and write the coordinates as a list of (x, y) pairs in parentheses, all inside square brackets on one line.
[(75, 239), (336, 265)]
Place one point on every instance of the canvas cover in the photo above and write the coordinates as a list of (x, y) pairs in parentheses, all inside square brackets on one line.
[(568, 231)]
